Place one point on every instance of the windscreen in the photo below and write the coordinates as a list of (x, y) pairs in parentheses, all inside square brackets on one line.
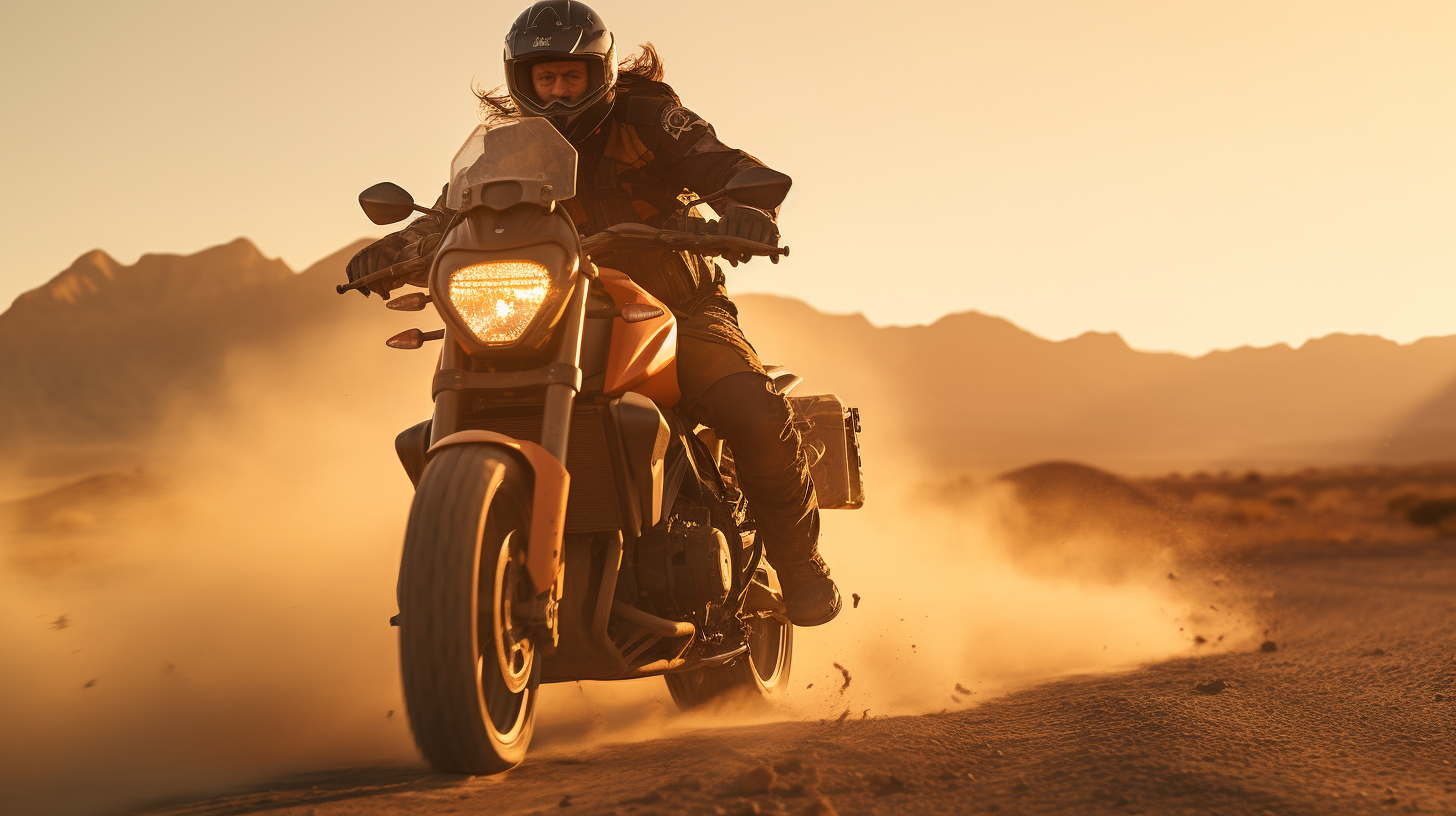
[(527, 149)]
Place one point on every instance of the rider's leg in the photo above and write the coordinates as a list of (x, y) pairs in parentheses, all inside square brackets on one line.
[(725, 387)]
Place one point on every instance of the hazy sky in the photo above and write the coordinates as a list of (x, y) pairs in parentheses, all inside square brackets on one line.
[(1193, 174)]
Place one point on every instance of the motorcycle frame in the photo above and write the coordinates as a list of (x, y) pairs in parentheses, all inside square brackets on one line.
[(585, 653)]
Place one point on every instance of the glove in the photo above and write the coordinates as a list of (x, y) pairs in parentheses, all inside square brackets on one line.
[(378, 255), (750, 224)]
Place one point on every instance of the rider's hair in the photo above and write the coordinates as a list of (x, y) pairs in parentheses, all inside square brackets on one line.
[(496, 105)]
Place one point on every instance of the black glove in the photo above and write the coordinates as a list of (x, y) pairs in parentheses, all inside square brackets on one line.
[(748, 223), (378, 255)]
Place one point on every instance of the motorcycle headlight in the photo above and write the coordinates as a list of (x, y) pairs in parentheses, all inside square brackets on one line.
[(498, 299)]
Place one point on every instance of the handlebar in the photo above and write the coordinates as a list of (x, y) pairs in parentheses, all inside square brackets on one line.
[(626, 236), (621, 236)]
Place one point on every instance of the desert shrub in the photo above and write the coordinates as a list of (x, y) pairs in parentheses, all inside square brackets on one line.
[(1431, 512), (1285, 497), (1400, 500)]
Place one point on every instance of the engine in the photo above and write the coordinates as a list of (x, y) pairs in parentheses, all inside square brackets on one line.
[(684, 565)]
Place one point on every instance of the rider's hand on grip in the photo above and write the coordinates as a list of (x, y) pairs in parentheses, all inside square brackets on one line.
[(376, 256), (750, 224)]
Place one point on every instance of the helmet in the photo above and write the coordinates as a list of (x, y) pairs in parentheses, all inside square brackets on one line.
[(553, 30)]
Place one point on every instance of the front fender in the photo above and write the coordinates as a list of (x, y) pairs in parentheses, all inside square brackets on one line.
[(548, 510)]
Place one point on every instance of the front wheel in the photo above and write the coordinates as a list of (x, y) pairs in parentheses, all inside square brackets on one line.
[(468, 665), (760, 674)]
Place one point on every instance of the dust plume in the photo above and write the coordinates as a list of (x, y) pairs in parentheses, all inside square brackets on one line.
[(225, 605), (218, 614), (964, 593)]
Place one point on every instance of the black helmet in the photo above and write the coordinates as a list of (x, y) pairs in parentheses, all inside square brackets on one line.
[(560, 30)]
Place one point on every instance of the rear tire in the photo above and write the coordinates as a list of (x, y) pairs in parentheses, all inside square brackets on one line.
[(758, 676), (468, 668)]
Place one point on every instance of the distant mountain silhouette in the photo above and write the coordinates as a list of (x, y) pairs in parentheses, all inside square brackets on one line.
[(973, 392), (93, 354), (96, 354)]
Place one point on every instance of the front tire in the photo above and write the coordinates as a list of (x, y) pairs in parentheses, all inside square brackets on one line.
[(467, 663)]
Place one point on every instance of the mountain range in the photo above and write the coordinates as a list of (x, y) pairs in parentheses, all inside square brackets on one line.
[(97, 354)]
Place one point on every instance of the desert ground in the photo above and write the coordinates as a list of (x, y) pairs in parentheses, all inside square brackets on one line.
[(1350, 710), (1329, 690)]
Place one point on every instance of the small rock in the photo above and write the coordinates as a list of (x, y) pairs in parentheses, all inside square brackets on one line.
[(756, 781), (1374, 653), (1199, 640), (1020, 784), (856, 606), (1440, 697), (90, 683), (565, 801), (1268, 646), (1211, 687), (1172, 577)]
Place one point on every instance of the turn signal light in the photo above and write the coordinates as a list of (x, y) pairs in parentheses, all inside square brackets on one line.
[(413, 338), (638, 312), (413, 302)]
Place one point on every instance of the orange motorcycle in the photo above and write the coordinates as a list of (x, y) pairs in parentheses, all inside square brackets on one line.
[(567, 523)]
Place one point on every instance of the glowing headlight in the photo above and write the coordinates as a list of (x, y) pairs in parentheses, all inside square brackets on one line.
[(498, 299)]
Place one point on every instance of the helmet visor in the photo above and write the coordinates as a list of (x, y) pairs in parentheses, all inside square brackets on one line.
[(558, 83)]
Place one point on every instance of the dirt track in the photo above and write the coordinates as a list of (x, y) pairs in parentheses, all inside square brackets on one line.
[(1354, 713)]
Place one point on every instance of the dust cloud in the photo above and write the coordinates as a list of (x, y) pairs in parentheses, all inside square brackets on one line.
[(226, 620), (229, 620)]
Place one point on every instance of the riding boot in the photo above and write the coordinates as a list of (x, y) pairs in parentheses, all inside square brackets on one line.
[(754, 420)]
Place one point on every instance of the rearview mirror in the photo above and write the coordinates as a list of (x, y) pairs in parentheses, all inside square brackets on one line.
[(759, 187), (387, 203)]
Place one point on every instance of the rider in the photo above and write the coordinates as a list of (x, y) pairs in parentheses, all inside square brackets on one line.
[(640, 152)]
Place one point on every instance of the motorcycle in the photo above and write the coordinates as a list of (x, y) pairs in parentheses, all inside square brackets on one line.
[(568, 523)]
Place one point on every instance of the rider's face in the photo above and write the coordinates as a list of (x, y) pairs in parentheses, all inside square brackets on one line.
[(563, 81)]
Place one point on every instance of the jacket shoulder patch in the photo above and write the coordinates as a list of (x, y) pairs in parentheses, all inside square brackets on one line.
[(676, 120)]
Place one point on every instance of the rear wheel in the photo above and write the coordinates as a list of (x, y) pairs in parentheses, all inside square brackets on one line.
[(468, 665), (757, 676)]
